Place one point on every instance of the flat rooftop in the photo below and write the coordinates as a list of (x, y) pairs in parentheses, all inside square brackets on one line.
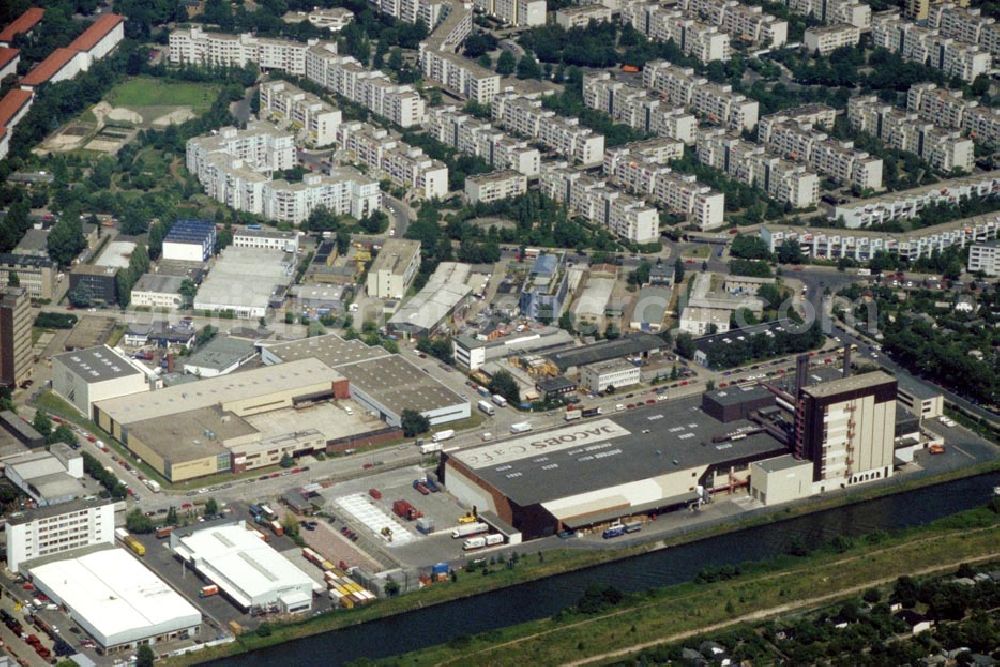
[(89, 332), (219, 390), (199, 434), (330, 349), (850, 383), (116, 254), (245, 277), (397, 383), (155, 282), (443, 291), (36, 513), (395, 256), (596, 454), (589, 354), (915, 388), (98, 364), (779, 463), (220, 353)]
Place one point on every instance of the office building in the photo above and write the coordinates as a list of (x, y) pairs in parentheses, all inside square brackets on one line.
[(394, 268), (266, 239), (474, 350), (318, 120), (83, 377), (847, 428), (546, 288), (15, 336), (37, 275), (494, 186), (117, 600), (57, 529), (919, 399), (716, 103), (48, 478), (157, 292), (94, 283), (190, 241), (614, 374)]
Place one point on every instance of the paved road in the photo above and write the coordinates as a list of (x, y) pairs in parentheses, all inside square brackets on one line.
[(400, 214)]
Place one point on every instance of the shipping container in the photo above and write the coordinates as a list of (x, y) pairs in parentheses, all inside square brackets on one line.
[(207, 591), (474, 543), (633, 527), (613, 531), (466, 529), (164, 531), (591, 412), (486, 408)]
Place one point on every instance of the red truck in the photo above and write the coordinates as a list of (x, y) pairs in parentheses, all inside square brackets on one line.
[(406, 510)]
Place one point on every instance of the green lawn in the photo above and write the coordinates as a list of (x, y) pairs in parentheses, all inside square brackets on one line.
[(148, 92)]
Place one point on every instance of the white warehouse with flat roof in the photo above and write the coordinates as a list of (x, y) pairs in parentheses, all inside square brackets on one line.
[(117, 599), (84, 377), (245, 568)]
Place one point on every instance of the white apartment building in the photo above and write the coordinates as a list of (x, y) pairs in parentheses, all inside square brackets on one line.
[(637, 107), (194, 46), (393, 269), (594, 200), (477, 137), (909, 203), (344, 191), (984, 257), (707, 43), (460, 75), (828, 38), (428, 12), (790, 134), (316, 119), (641, 168), (497, 185), (57, 529), (747, 23), (616, 373), (946, 108), (372, 89), (944, 150), (853, 12), (515, 12), (749, 163), (261, 147), (565, 136), (716, 103), (965, 24), (387, 157), (578, 16), (919, 44)]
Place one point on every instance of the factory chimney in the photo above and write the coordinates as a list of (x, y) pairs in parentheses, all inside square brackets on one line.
[(847, 360), (801, 373)]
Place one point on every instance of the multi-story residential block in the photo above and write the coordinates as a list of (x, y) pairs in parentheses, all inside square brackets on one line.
[(261, 147), (637, 107), (743, 22), (344, 191), (784, 181), (565, 136), (578, 16), (791, 134), (396, 160), (36, 274), (641, 168), (372, 89), (428, 12), (46, 531), (15, 336), (909, 203), (862, 245), (946, 108), (515, 12), (476, 137), (985, 257), (497, 185), (967, 25), (919, 44), (700, 40), (63, 64), (194, 46), (592, 199), (716, 103), (460, 75), (394, 268), (834, 11), (317, 119), (946, 151), (828, 38)]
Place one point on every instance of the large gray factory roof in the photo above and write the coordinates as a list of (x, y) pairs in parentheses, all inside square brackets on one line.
[(589, 354), (595, 454)]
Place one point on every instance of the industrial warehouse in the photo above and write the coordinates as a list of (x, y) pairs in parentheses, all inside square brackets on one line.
[(674, 454)]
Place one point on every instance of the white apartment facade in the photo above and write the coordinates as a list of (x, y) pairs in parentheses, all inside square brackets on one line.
[(946, 108), (477, 137), (565, 136), (637, 107), (515, 12), (985, 258), (497, 185), (919, 44), (317, 119), (716, 103), (398, 161), (460, 75), (746, 23), (853, 12), (909, 203), (828, 38), (194, 46), (707, 43)]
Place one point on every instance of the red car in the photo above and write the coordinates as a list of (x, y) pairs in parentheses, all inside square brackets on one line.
[(375, 493)]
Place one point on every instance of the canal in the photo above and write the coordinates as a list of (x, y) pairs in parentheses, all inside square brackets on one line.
[(441, 623)]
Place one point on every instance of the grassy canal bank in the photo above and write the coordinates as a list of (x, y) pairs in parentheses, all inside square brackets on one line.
[(606, 625), (531, 566)]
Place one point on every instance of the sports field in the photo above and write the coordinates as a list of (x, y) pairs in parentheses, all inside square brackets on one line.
[(148, 92)]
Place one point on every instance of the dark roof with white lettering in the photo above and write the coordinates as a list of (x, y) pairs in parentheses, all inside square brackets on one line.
[(581, 456)]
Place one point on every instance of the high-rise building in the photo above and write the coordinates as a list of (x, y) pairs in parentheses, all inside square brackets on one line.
[(15, 336), (847, 428), (36, 533)]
